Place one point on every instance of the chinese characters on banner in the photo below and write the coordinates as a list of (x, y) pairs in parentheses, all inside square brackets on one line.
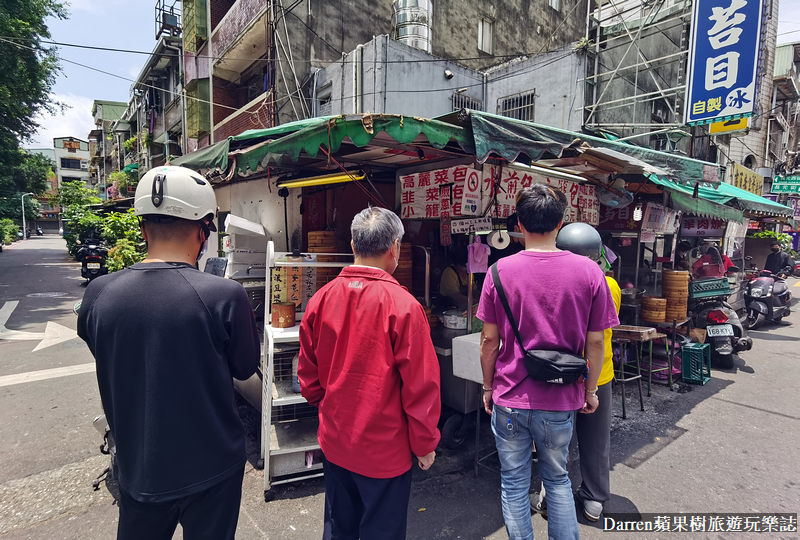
[(422, 193), (660, 219), (293, 283), (723, 57), (618, 219), (745, 179), (703, 226), (582, 204)]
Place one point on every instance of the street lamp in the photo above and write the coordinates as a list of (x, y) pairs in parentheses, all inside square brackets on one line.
[(24, 230)]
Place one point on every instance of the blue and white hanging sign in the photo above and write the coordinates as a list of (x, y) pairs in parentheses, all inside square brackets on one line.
[(723, 60)]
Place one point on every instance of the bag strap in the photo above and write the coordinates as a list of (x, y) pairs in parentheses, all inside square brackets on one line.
[(503, 300)]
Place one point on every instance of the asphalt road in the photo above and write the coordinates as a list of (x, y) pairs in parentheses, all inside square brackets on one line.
[(728, 446)]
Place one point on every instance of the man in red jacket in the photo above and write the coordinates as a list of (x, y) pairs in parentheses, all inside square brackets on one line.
[(368, 363)]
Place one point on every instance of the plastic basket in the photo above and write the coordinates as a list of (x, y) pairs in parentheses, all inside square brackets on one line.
[(696, 363), (709, 287)]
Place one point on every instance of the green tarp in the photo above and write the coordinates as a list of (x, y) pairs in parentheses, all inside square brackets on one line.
[(508, 138), (131, 167), (709, 200), (210, 157)]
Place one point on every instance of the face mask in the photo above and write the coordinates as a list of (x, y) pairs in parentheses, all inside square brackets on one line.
[(776, 249), (203, 250)]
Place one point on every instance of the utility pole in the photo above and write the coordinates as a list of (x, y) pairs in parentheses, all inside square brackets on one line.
[(24, 230)]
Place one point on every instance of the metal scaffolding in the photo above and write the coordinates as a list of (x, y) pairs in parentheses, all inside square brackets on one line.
[(637, 69)]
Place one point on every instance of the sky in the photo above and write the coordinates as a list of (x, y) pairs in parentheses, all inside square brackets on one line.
[(121, 24), (126, 24)]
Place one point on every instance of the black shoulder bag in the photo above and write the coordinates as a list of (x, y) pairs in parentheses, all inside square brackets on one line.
[(546, 366)]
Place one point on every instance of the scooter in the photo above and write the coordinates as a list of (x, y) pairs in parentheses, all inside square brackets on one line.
[(768, 298), (796, 271), (724, 331), (39, 231), (92, 256)]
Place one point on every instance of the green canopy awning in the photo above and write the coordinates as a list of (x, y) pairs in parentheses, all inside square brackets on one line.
[(508, 138), (715, 201), (130, 167), (330, 132), (209, 158)]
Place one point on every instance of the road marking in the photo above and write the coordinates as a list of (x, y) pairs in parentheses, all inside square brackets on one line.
[(45, 374), (797, 284), (53, 333)]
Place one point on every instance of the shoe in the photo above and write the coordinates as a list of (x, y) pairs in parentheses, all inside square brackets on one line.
[(537, 506), (592, 510), (535, 456)]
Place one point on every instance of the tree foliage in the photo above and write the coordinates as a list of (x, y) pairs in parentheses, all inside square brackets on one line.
[(28, 71), (30, 176)]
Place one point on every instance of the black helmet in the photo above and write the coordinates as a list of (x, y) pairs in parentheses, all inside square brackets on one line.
[(581, 239)]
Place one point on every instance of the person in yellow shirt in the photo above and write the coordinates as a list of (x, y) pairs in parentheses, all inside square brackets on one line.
[(454, 284)]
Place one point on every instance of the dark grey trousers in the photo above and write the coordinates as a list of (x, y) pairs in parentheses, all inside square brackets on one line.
[(594, 444)]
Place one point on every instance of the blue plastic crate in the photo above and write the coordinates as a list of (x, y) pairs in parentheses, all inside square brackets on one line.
[(709, 287), (696, 363)]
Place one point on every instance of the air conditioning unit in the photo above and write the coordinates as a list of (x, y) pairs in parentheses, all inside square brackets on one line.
[(84, 165)]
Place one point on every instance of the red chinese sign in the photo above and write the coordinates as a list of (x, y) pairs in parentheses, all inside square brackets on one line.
[(703, 226), (423, 194)]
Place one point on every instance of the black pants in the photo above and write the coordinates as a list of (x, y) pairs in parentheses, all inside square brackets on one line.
[(211, 514), (357, 506), (594, 444)]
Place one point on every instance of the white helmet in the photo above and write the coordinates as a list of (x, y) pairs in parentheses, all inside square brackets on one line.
[(175, 192)]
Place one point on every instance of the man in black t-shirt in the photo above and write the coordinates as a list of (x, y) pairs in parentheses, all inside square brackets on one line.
[(778, 259), (168, 341)]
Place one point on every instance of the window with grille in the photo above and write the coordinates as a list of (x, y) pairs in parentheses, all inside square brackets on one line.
[(485, 36), (198, 118), (520, 106), (195, 27), (67, 163), (461, 101), (324, 103)]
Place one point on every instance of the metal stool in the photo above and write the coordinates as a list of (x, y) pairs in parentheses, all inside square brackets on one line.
[(620, 375)]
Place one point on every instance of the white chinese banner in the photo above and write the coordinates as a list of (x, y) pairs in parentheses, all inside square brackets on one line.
[(422, 193), (703, 226), (582, 204)]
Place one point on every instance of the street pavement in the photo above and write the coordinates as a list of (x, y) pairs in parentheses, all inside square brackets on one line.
[(728, 446)]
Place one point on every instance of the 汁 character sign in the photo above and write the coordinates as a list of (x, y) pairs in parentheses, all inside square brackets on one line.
[(723, 59)]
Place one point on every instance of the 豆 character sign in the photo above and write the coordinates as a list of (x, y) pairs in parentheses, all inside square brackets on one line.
[(723, 59)]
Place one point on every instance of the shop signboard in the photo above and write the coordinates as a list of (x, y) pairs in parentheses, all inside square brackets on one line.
[(786, 184), (422, 193), (794, 204), (744, 178), (660, 219), (723, 59), (731, 126), (618, 219), (702, 227), (582, 203)]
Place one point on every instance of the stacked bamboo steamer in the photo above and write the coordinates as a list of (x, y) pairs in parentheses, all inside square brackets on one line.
[(675, 289), (433, 320), (403, 272), (324, 242), (654, 309)]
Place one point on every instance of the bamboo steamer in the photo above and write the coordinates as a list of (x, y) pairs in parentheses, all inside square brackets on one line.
[(654, 316), (654, 303)]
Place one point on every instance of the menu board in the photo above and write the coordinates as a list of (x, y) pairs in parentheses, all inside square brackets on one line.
[(441, 194)]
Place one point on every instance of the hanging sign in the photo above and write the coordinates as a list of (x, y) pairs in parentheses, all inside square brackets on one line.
[(723, 59), (582, 203), (421, 192), (731, 126), (471, 201), (703, 226), (745, 179), (444, 217), (471, 225)]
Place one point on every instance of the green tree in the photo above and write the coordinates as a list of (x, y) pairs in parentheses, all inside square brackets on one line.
[(74, 199), (28, 71)]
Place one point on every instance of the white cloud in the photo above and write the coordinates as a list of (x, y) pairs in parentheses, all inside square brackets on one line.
[(76, 121)]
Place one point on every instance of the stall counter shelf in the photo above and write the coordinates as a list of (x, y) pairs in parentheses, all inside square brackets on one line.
[(284, 443)]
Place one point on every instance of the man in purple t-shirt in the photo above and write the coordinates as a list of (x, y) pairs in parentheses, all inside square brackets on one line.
[(562, 303)]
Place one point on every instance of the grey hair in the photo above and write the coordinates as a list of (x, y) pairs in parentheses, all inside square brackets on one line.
[(374, 230)]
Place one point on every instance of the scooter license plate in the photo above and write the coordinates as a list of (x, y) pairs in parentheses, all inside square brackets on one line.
[(93, 266), (719, 330)]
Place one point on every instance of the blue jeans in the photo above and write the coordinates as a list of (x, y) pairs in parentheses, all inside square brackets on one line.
[(515, 430)]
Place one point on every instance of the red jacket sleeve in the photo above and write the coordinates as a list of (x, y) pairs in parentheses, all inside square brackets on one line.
[(307, 368), (419, 370)]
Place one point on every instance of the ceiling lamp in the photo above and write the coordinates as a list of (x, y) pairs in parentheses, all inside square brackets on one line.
[(338, 178)]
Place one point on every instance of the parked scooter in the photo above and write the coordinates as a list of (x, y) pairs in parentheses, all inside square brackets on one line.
[(39, 231), (724, 331), (92, 256), (768, 298)]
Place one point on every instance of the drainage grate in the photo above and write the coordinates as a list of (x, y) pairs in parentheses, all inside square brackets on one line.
[(47, 294)]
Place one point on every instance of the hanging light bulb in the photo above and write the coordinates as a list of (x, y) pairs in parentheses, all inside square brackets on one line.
[(637, 213)]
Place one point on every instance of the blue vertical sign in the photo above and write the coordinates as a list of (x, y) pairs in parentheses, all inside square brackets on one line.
[(723, 59)]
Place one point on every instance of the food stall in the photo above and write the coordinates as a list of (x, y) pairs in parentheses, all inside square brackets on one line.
[(451, 179)]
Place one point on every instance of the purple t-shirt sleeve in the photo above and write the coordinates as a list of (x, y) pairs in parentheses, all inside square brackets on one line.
[(604, 313), (486, 311)]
